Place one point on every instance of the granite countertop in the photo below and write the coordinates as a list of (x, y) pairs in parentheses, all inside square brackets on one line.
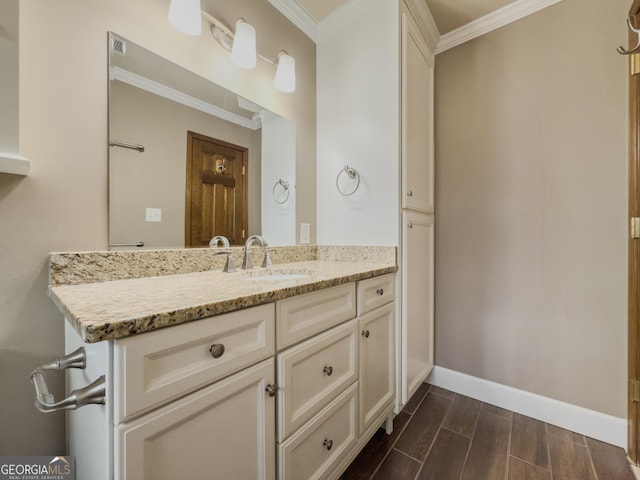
[(115, 309)]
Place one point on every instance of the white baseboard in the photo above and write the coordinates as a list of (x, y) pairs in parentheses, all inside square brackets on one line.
[(606, 428)]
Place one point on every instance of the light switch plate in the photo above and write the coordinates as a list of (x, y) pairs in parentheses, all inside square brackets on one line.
[(154, 215), (305, 233)]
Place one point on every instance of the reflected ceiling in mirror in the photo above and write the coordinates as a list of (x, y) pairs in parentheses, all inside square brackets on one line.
[(213, 163)]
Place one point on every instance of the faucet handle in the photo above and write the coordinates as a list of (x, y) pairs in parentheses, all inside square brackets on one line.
[(266, 263), (229, 266)]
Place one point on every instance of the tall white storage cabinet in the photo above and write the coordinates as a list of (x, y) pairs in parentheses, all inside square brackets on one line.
[(375, 65), (417, 66)]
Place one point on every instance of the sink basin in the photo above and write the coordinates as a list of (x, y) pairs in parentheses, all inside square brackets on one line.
[(277, 274)]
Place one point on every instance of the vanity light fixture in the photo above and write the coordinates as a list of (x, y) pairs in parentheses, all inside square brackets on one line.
[(285, 72), (184, 16), (242, 45), (243, 51)]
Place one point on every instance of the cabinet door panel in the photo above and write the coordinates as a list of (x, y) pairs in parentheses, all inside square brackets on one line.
[(417, 119), (308, 455), (375, 292), (224, 431), (301, 316), (417, 301), (305, 386), (159, 366), (376, 363)]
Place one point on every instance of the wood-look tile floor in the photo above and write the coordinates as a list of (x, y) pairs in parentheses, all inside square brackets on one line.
[(441, 435)]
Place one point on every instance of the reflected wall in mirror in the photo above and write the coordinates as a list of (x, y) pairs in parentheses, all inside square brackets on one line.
[(212, 163)]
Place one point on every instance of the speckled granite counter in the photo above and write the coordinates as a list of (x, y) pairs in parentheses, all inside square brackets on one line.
[(109, 309)]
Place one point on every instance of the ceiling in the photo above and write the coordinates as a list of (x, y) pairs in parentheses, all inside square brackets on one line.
[(448, 14)]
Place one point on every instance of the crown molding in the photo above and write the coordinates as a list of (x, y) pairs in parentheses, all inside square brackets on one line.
[(499, 18), (298, 16), (427, 24), (117, 73)]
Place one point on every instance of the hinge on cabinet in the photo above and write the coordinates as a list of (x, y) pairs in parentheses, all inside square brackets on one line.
[(634, 63), (635, 227), (634, 391)]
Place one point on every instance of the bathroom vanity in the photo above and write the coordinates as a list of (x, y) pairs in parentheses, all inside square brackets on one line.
[(283, 372)]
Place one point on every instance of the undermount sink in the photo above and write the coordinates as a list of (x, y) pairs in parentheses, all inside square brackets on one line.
[(277, 274)]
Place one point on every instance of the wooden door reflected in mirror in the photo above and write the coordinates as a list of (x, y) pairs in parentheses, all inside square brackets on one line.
[(216, 191)]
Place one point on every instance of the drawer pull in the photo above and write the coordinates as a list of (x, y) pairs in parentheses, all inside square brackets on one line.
[(271, 390), (328, 371), (216, 350), (328, 444), (365, 333), (380, 291)]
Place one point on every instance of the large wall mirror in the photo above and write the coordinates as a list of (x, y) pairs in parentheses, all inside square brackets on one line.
[(189, 160)]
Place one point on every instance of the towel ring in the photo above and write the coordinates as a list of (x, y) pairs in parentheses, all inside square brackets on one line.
[(285, 187), (351, 173)]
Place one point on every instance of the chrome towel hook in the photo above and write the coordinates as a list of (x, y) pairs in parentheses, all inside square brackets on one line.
[(285, 188), (624, 51), (353, 174)]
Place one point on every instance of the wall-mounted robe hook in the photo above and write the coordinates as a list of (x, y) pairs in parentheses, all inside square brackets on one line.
[(624, 51)]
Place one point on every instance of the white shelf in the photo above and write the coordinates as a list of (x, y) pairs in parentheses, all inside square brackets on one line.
[(14, 164)]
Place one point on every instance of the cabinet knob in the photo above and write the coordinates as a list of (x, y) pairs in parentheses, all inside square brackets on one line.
[(365, 333), (328, 371), (328, 444), (271, 390), (411, 225), (410, 193), (380, 291), (216, 350)]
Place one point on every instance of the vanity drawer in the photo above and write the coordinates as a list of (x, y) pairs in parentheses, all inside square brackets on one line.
[(315, 450), (314, 373), (155, 367), (375, 292), (305, 315)]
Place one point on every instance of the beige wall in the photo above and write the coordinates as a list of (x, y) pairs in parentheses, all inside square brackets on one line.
[(62, 205), (156, 178), (531, 180), (9, 76)]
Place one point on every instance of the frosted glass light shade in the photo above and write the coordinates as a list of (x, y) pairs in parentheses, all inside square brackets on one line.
[(243, 51), (185, 16), (285, 73)]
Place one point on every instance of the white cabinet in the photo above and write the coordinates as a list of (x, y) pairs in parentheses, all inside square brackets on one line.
[(417, 63), (291, 390), (336, 387), (417, 68), (417, 301), (221, 432), (377, 390)]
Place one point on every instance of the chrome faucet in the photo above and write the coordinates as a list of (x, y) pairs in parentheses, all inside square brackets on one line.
[(219, 239), (229, 266), (248, 261)]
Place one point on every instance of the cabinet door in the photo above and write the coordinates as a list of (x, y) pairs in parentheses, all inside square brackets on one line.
[(224, 431), (417, 301), (376, 363), (417, 119), (313, 373)]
